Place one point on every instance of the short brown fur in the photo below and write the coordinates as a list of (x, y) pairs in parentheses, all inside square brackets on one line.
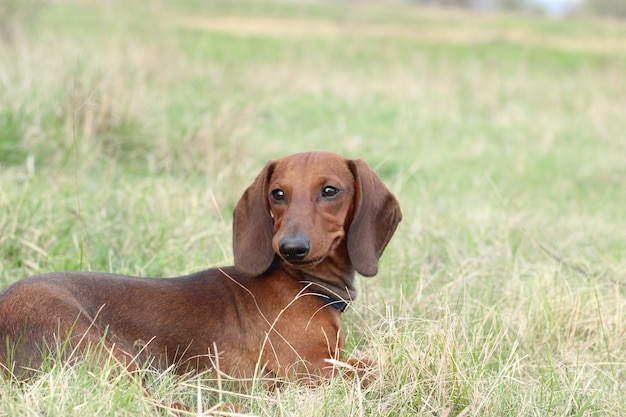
[(269, 315)]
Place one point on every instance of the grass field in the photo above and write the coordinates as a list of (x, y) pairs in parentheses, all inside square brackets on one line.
[(128, 130)]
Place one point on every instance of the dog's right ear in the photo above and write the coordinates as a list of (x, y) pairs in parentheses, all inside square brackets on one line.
[(253, 227)]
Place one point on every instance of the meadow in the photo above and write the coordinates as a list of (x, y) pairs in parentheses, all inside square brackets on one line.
[(128, 131)]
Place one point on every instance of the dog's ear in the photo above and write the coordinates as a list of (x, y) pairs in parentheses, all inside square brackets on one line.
[(253, 227), (376, 216)]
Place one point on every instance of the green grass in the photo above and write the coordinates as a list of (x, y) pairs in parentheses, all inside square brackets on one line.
[(128, 132)]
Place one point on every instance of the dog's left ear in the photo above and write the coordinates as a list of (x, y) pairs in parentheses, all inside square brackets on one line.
[(376, 216), (253, 227)]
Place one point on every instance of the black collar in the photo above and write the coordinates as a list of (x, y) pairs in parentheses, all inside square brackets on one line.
[(333, 302)]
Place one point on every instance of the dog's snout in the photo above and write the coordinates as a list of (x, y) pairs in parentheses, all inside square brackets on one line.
[(294, 248)]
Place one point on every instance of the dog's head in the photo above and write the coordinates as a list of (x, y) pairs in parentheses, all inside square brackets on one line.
[(313, 207)]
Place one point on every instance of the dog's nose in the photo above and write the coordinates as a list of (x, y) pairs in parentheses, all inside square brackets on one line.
[(294, 248)]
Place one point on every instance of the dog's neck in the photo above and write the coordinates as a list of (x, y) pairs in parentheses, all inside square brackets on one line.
[(335, 281)]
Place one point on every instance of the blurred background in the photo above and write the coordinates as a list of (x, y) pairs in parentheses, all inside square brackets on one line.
[(486, 111)]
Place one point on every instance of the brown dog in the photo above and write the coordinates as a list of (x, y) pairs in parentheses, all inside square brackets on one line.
[(300, 232)]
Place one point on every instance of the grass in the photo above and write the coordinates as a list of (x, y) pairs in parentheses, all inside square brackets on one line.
[(128, 132)]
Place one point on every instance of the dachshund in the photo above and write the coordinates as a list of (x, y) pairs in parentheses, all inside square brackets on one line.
[(300, 232)]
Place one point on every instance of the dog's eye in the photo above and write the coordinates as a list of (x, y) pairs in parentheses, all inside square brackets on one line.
[(330, 192), (278, 195)]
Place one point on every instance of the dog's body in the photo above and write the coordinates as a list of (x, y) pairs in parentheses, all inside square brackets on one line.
[(300, 232), (177, 320)]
